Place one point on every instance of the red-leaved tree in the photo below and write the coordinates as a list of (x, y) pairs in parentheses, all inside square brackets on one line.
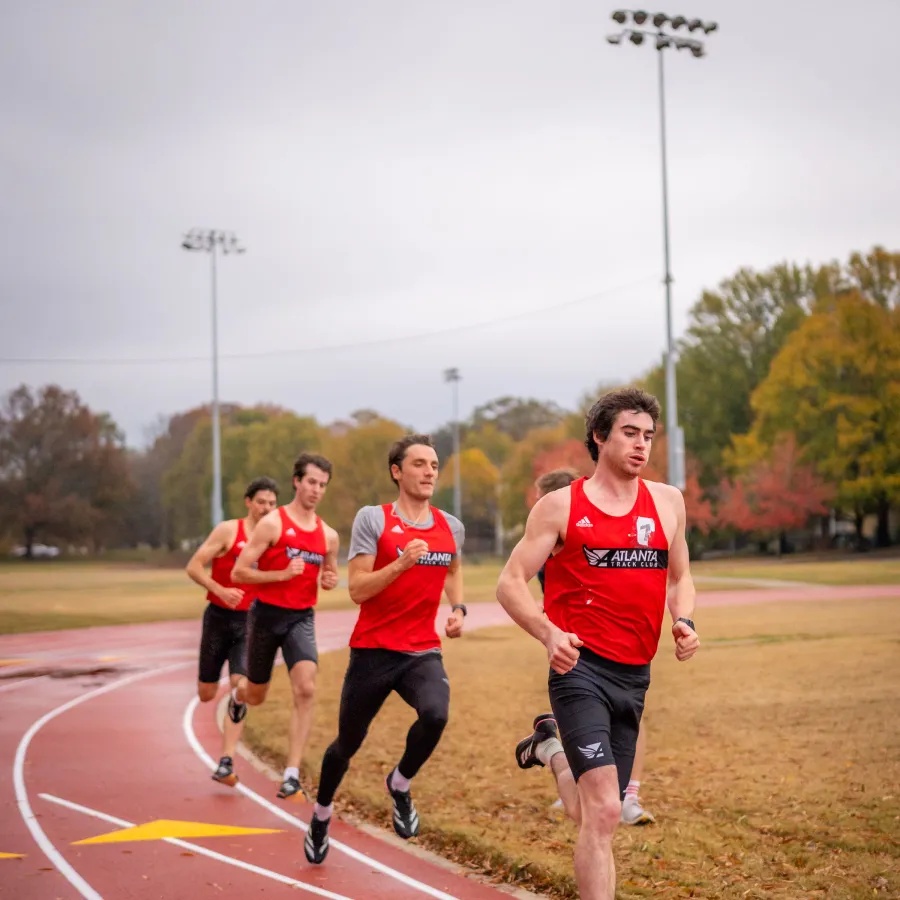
[(777, 495)]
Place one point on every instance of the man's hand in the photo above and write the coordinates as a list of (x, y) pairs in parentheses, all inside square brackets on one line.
[(686, 641), (562, 650), (231, 597), (454, 626), (329, 579), (294, 567), (414, 551)]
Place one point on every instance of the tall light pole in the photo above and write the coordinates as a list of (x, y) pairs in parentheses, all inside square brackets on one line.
[(207, 240), (663, 41), (453, 377)]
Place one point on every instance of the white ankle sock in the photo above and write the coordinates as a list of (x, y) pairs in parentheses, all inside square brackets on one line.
[(398, 782), (632, 789), (234, 695), (291, 771), (323, 813), (546, 750)]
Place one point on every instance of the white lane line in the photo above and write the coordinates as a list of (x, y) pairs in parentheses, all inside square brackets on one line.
[(188, 725), (22, 683), (202, 851), (25, 809)]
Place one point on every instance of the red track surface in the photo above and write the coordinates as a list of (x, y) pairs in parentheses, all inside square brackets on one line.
[(125, 747)]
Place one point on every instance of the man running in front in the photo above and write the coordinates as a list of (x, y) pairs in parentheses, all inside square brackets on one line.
[(281, 566), (618, 556), (632, 811), (403, 557), (224, 635)]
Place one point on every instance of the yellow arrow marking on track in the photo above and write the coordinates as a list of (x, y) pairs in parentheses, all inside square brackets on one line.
[(11, 855), (172, 828)]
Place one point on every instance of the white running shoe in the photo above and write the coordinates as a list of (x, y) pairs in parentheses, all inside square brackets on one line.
[(635, 814)]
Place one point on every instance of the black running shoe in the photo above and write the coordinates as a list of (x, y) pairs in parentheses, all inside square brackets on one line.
[(224, 774), (526, 750), (289, 787), (236, 711), (406, 819), (315, 847)]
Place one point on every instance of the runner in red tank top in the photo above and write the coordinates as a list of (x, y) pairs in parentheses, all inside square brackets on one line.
[(291, 552), (633, 813), (224, 635), (403, 557), (618, 556)]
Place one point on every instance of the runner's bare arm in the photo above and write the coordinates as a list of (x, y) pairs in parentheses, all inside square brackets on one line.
[(680, 592), (329, 576), (219, 540), (542, 532), (453, 588), (265, 535)]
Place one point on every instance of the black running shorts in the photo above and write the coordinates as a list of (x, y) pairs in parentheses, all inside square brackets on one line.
[(224, 638), (270, 628), (598, 707)]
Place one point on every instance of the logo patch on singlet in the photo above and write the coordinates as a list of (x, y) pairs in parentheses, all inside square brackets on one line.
[(626, 559), (314, 559), (644, 528), (431, 558)]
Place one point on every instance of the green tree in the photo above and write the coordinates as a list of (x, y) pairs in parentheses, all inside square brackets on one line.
[(876, 275), (270, 448), (495, 444), (517, 416), (361, 475), (479, 480), (734, 334), (518, 473), (63, 469), (253, 444), (836, 387)]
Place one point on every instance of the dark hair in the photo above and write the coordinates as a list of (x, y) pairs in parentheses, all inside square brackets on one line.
[(261, 484), (602, 415), (399, 449), (311, 459), (553, 481)]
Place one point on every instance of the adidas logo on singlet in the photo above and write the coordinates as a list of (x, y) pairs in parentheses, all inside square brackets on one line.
[(314, 559), (431, 558), (626, 558), (397, 529), (584, 522)]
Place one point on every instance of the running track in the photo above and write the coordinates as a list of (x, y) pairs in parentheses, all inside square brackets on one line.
[(100, 731)]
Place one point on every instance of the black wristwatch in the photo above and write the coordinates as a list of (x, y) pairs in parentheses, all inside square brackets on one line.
[(688, 622), (461, 606)]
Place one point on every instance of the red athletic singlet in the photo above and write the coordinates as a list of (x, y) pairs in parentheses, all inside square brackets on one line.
[(608, 582), (301, 592), (221, 571), (402, 616)]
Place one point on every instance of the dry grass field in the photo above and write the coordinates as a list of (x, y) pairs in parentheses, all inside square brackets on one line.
[(773, 764)]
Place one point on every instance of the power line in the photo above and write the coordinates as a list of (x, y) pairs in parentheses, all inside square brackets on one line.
[(296, 351)]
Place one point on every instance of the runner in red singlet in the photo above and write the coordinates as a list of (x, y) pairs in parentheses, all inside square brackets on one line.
[(618, 557), (403, 557), (224, 635), (291, 552), (632, 811)]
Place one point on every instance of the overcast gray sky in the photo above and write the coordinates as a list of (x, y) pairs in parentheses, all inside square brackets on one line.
[(399, 168)]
